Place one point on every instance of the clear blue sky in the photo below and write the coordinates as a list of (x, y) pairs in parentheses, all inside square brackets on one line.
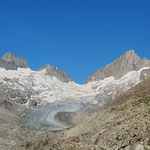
[(78, 36)]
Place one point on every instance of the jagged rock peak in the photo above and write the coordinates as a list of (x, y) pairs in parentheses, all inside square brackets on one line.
[(15, 60), (130, 61), (56, 72), (130, 52), (131, 55)]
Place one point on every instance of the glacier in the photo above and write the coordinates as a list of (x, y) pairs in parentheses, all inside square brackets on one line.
[(53, 96)]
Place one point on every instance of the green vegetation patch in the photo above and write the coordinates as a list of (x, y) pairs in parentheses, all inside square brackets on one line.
[(145, 100), (148, 142)]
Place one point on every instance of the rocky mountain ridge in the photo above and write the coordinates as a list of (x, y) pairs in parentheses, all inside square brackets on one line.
[(10, 61), (124, 64), (56, 72), (129, 61)]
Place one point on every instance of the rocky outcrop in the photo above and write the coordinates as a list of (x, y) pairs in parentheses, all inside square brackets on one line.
[(56, 72), (145, 74), (118, 68), (10, 61), (7, 65)]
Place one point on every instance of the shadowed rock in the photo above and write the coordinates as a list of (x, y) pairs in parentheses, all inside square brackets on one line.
[(7, 65)]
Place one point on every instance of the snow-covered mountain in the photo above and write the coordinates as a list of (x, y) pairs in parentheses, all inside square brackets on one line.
[(45, 88), (43, 93)]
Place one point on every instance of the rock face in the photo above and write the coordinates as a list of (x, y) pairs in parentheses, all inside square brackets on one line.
[(7, 65), (10, 61), (124, 64), (145, 74), (56, 72)]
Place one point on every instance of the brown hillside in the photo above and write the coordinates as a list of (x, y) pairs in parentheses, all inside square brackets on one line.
[(139, 91)]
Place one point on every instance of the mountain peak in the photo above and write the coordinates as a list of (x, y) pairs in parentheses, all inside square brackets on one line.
[(130, 52), (56, 72), (10, 53), (12, 61), (129, 58), (9, 56), (129, 61)]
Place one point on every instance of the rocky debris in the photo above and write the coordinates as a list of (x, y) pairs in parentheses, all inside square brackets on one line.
[(41, 141), (124, 64), (9, 93), (12, 127), (56, 72), (12, 130), (123, 127)]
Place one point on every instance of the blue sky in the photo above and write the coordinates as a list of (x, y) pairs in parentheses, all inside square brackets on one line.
[(78, 36)]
